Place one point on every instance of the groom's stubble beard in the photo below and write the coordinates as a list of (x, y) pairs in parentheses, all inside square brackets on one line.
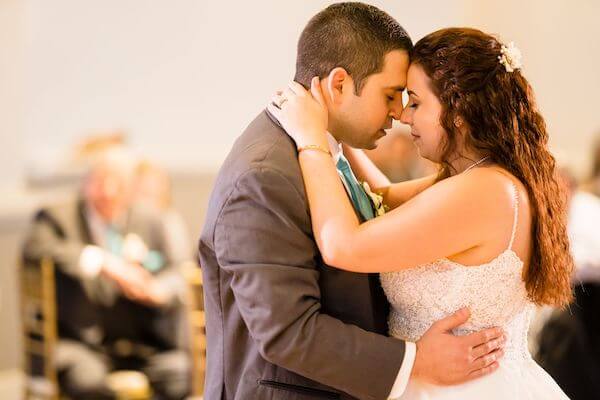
[(363, 143), (360, 140), (345, 130)]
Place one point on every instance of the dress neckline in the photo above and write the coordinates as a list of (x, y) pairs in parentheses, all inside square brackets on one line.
[(505, 253)]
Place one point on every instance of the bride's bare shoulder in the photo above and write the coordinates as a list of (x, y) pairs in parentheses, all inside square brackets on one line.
[(486, 186), (493, 184)]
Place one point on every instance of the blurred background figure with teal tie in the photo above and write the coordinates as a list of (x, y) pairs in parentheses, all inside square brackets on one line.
[(119, 294)]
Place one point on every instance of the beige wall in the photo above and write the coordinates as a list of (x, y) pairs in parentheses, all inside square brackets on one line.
[(185, 77), (12, 45)]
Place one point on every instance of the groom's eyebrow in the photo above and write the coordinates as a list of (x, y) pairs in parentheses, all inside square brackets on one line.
[(399, 88)]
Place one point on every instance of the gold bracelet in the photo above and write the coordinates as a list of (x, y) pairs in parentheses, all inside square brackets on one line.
[(314, 147)]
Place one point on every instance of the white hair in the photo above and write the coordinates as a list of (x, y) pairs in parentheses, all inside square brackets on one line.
[(118, 159)]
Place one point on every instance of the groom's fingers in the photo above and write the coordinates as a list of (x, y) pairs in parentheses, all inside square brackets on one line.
[(482, 337), (488, 347), (484, 371), (487, 360)]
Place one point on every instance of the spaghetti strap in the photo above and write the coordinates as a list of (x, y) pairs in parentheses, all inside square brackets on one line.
[(516, 215)]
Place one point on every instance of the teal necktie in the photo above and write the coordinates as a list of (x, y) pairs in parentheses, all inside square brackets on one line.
[(359, 198), (154, 260), (113, 240)]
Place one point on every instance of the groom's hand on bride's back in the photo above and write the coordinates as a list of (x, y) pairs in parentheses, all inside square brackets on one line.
[(445, 359)]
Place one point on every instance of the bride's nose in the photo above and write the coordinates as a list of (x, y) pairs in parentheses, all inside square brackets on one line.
[(405, 117)]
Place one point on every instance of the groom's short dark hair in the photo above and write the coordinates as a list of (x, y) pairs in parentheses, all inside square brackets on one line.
[(354, 36)]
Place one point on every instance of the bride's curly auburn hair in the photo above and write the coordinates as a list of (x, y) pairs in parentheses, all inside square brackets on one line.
[(499, 110)]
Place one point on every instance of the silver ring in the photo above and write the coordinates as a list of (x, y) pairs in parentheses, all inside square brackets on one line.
[(283, 100)]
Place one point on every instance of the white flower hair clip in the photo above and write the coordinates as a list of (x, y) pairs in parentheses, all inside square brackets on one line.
[(510, 57)]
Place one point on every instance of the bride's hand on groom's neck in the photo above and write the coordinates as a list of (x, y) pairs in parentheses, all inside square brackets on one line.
[(445, 359), (302, 114)]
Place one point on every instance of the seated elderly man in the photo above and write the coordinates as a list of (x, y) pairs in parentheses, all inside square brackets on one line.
[(119, 293)]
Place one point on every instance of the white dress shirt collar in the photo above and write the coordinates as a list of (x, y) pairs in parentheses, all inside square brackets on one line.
[(96, 225), (335, 147)]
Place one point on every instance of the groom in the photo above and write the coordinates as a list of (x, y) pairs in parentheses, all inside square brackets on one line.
[(280, 323)]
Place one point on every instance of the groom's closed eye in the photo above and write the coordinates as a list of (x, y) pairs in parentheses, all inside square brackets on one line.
[(392, 96)]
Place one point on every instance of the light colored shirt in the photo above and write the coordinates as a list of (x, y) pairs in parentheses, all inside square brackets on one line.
[(411, 348), (584, 235), (93, 256)]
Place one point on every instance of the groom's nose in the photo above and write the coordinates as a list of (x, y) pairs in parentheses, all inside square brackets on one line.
[(396, 112)]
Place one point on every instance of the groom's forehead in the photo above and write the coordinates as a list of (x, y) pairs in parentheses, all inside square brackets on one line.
[(394, 80), (393, 75)]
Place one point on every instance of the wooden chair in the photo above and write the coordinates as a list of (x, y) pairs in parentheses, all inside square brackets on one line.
[(38, 302), (196, 325)]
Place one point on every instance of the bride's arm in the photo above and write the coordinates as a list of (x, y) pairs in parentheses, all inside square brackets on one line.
[(394, 194), (440, 221), (433, 225)]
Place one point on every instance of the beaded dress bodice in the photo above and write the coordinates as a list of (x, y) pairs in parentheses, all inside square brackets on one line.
[(494, 293)]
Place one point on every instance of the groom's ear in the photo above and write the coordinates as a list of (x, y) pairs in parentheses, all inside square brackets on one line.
[(337, 84)]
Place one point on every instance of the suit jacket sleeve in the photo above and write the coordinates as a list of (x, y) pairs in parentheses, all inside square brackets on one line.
[(263, 238), (47, 238)]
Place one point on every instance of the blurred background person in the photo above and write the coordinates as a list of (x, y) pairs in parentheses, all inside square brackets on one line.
[(152, 189), (583, 225), (118, 305), (568, 345), (95, 144), (593, 183)]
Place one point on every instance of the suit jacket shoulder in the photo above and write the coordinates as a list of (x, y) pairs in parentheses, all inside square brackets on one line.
[(263, 146)]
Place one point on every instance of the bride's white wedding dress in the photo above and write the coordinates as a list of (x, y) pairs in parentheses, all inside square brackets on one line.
[(496, 296)]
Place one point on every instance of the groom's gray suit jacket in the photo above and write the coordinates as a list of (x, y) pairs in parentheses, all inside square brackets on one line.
[(280, 323)]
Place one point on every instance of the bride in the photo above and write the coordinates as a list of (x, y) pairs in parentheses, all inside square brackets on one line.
[(487, 233)]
